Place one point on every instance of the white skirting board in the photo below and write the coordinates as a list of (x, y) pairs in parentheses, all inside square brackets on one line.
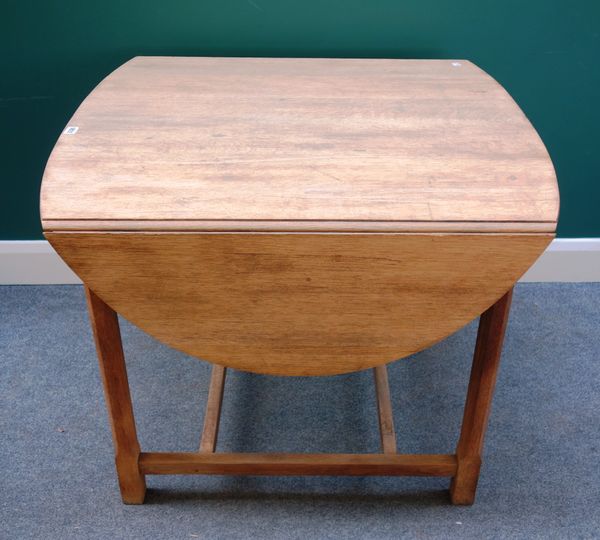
[(34, 262)]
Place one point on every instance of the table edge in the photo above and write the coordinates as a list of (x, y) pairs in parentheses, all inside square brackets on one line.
[(306, 226)]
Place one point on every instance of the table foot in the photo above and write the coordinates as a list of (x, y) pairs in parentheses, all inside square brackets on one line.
[(463, 486)]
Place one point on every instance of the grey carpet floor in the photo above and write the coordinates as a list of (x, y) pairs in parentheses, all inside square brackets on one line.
[(540, 479)]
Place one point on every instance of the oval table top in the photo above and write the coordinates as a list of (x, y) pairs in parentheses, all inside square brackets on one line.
[(251, 144), (299, 216)]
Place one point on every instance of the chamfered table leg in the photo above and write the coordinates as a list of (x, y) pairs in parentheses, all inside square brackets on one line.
[(492, 326), (105, 326)]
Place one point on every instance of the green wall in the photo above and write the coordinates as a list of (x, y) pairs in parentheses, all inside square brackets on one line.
[(545, 52)]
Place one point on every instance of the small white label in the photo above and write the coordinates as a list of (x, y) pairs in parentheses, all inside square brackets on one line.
[(456, 64), (70, 130)]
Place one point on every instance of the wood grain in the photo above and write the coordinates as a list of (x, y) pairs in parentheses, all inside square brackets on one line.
[(105, 326), (241, 140), (486, 360), (299, 464), (299, 304)]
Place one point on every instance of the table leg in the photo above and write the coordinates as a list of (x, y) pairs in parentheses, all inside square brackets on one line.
[(384, 410), (492, 326), (212, 416), (105, 326)]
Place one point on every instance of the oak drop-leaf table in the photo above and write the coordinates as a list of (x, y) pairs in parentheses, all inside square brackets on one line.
[(299, 217)]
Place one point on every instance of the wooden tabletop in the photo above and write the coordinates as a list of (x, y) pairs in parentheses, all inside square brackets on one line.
[(299, 144)]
